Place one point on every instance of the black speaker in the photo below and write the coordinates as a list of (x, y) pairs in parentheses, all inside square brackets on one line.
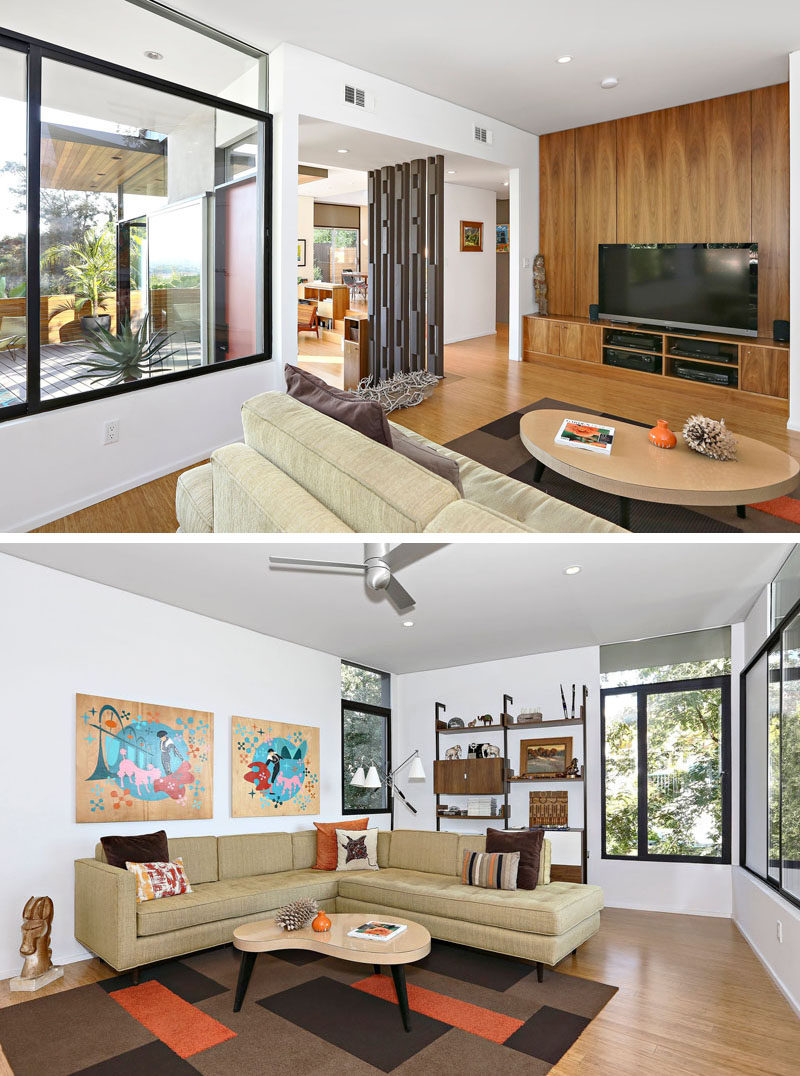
[(594, 313), (780, 331)]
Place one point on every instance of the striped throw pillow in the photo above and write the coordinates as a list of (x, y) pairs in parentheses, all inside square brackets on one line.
[(490, 870), (154, 880)]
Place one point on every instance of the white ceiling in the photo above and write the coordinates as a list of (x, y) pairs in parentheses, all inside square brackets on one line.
[(319, 143), (343, 186), (499, 58), (475, 601)]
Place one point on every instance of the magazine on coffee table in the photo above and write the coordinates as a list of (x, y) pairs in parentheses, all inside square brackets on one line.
[(377, 931), (577, 434)]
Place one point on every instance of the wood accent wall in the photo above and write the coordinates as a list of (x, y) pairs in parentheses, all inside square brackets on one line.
[(710, 172)]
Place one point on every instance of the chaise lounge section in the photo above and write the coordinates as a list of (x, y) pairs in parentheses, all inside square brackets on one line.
[(241, 878)]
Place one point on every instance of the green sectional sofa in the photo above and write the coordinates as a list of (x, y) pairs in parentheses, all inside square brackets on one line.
[(241, 878)]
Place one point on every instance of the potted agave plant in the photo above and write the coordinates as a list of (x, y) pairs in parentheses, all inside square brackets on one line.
[(125, 356)]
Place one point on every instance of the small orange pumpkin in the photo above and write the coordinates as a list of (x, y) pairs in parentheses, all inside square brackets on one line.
[(662, 436), (321, 923)]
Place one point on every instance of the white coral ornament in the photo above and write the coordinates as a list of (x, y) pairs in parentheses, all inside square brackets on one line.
[(297, 915), (710, 438)]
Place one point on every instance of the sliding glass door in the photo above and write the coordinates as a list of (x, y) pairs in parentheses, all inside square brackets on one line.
[(13, 232)]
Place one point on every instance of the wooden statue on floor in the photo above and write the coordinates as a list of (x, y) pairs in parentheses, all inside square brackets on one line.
[(540, 284), (38, 970)]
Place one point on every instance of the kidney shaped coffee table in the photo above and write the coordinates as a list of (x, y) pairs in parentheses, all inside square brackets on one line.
[(266, 936), (637, 470)]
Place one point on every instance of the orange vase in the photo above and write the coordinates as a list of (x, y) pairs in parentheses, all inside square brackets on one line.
[(662, 436), (321, 923)]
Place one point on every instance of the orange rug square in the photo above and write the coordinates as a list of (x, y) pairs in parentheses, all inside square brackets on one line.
[(185, 1029), (782, 507), (494, 1026)]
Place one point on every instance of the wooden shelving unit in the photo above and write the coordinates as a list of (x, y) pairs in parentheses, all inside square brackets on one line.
[(492, 776)]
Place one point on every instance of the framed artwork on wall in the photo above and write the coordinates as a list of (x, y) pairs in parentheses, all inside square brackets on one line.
[(138, 762), (301, 252), (274, 768), (545, 757), (502, 239), (471, 236)]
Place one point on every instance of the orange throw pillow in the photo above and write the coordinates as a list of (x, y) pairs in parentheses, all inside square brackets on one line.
[(327, 852)]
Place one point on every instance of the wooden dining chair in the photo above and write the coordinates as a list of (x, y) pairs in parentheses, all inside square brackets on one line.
[(307, 317)]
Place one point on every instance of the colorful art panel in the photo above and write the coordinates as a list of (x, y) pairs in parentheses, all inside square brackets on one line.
[(138, 762), (274, 769)]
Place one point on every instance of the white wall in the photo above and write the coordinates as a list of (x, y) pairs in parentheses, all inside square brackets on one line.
[(794, 239), (69, 635), (473, 689), (56, 463), (470, 278), (757, 912), (305, 83)]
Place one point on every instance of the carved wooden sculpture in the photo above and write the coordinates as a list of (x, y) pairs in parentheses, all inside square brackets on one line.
[(37, 970), (540, 284)]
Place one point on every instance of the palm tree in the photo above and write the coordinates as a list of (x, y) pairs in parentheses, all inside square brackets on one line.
[(92, 267)]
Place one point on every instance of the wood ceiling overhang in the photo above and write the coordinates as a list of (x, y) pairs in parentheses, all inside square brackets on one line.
[(80, 160)]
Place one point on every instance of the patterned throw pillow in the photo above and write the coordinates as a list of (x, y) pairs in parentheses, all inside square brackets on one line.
[(326, 840), (154, 880), (490, 870), (357, 850)]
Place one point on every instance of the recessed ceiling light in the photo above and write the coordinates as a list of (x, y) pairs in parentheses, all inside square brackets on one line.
[(609, 83), (151, 54), (573, 569), (506, 183), (451, 171), (408, 623), (342, 150), (564, 60)]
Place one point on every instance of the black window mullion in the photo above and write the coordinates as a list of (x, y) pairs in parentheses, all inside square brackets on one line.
[(32, 252), (641, 748)]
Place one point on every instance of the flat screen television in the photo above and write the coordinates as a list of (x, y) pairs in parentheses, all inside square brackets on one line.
[(711, 287)]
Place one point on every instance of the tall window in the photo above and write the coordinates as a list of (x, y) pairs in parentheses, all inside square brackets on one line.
[(152, 220), (336, 250), (366, 737), (665, 748)]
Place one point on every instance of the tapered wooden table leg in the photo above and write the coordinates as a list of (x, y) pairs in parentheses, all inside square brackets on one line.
[(399, 976), (245, 971)]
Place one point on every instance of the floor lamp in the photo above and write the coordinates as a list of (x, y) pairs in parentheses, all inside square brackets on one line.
[(377, 776)]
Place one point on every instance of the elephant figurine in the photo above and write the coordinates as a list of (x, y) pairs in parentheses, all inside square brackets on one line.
[(490, 751), (453, 752)]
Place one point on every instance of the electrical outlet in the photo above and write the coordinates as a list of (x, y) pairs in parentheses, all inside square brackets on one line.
[(526, 263), (780, 930), (111, 432)]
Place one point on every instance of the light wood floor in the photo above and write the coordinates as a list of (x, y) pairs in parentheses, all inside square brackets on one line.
[(693, 1000), (482, 385)]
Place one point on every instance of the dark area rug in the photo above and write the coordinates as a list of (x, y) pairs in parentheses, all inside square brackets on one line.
[(471, 1013), (498, 445)]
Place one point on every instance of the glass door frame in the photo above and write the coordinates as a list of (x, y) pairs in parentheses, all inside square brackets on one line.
[(37, 51), (642, 693)]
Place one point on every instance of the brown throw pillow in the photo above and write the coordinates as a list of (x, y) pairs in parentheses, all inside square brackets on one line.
[(364, 416), (428, 458), (133, 848), (327, 852), (528, 842)]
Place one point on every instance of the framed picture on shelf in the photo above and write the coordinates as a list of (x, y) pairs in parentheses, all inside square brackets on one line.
[(545, 757), (301, 252), (471, 236), (502, 239)]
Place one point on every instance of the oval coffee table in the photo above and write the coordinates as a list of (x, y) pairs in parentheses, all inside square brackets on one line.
[(266, 936), (637, 470)]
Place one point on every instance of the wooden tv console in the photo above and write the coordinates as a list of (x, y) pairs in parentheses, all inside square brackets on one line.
[(755, 365)]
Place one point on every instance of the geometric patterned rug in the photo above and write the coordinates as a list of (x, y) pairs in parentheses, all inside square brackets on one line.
[(498, 445), (472, 1013)]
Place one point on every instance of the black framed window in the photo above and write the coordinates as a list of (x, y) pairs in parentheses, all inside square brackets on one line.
[(665, 757), (366, 737), (144, 264), (770, 760)]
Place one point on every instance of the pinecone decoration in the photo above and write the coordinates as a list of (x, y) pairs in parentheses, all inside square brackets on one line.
[(709, 437), (297, 915)]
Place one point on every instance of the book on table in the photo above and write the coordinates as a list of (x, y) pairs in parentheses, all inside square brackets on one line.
[(594, 438), (375, 930)]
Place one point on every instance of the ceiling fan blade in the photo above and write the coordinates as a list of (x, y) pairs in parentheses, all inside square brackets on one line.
[(409, 552), (297, 563), (399, 596)]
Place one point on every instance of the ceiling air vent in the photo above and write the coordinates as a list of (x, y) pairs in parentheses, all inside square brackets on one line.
[(355, 96), (482, 135)]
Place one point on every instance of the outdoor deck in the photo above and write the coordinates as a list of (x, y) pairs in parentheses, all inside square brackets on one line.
[(59, 379)]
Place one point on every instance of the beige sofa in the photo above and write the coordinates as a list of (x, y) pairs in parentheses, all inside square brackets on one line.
[(236, 879), (300, 471)]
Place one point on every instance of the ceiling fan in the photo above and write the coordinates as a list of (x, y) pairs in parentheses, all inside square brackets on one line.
[(380, 563)]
